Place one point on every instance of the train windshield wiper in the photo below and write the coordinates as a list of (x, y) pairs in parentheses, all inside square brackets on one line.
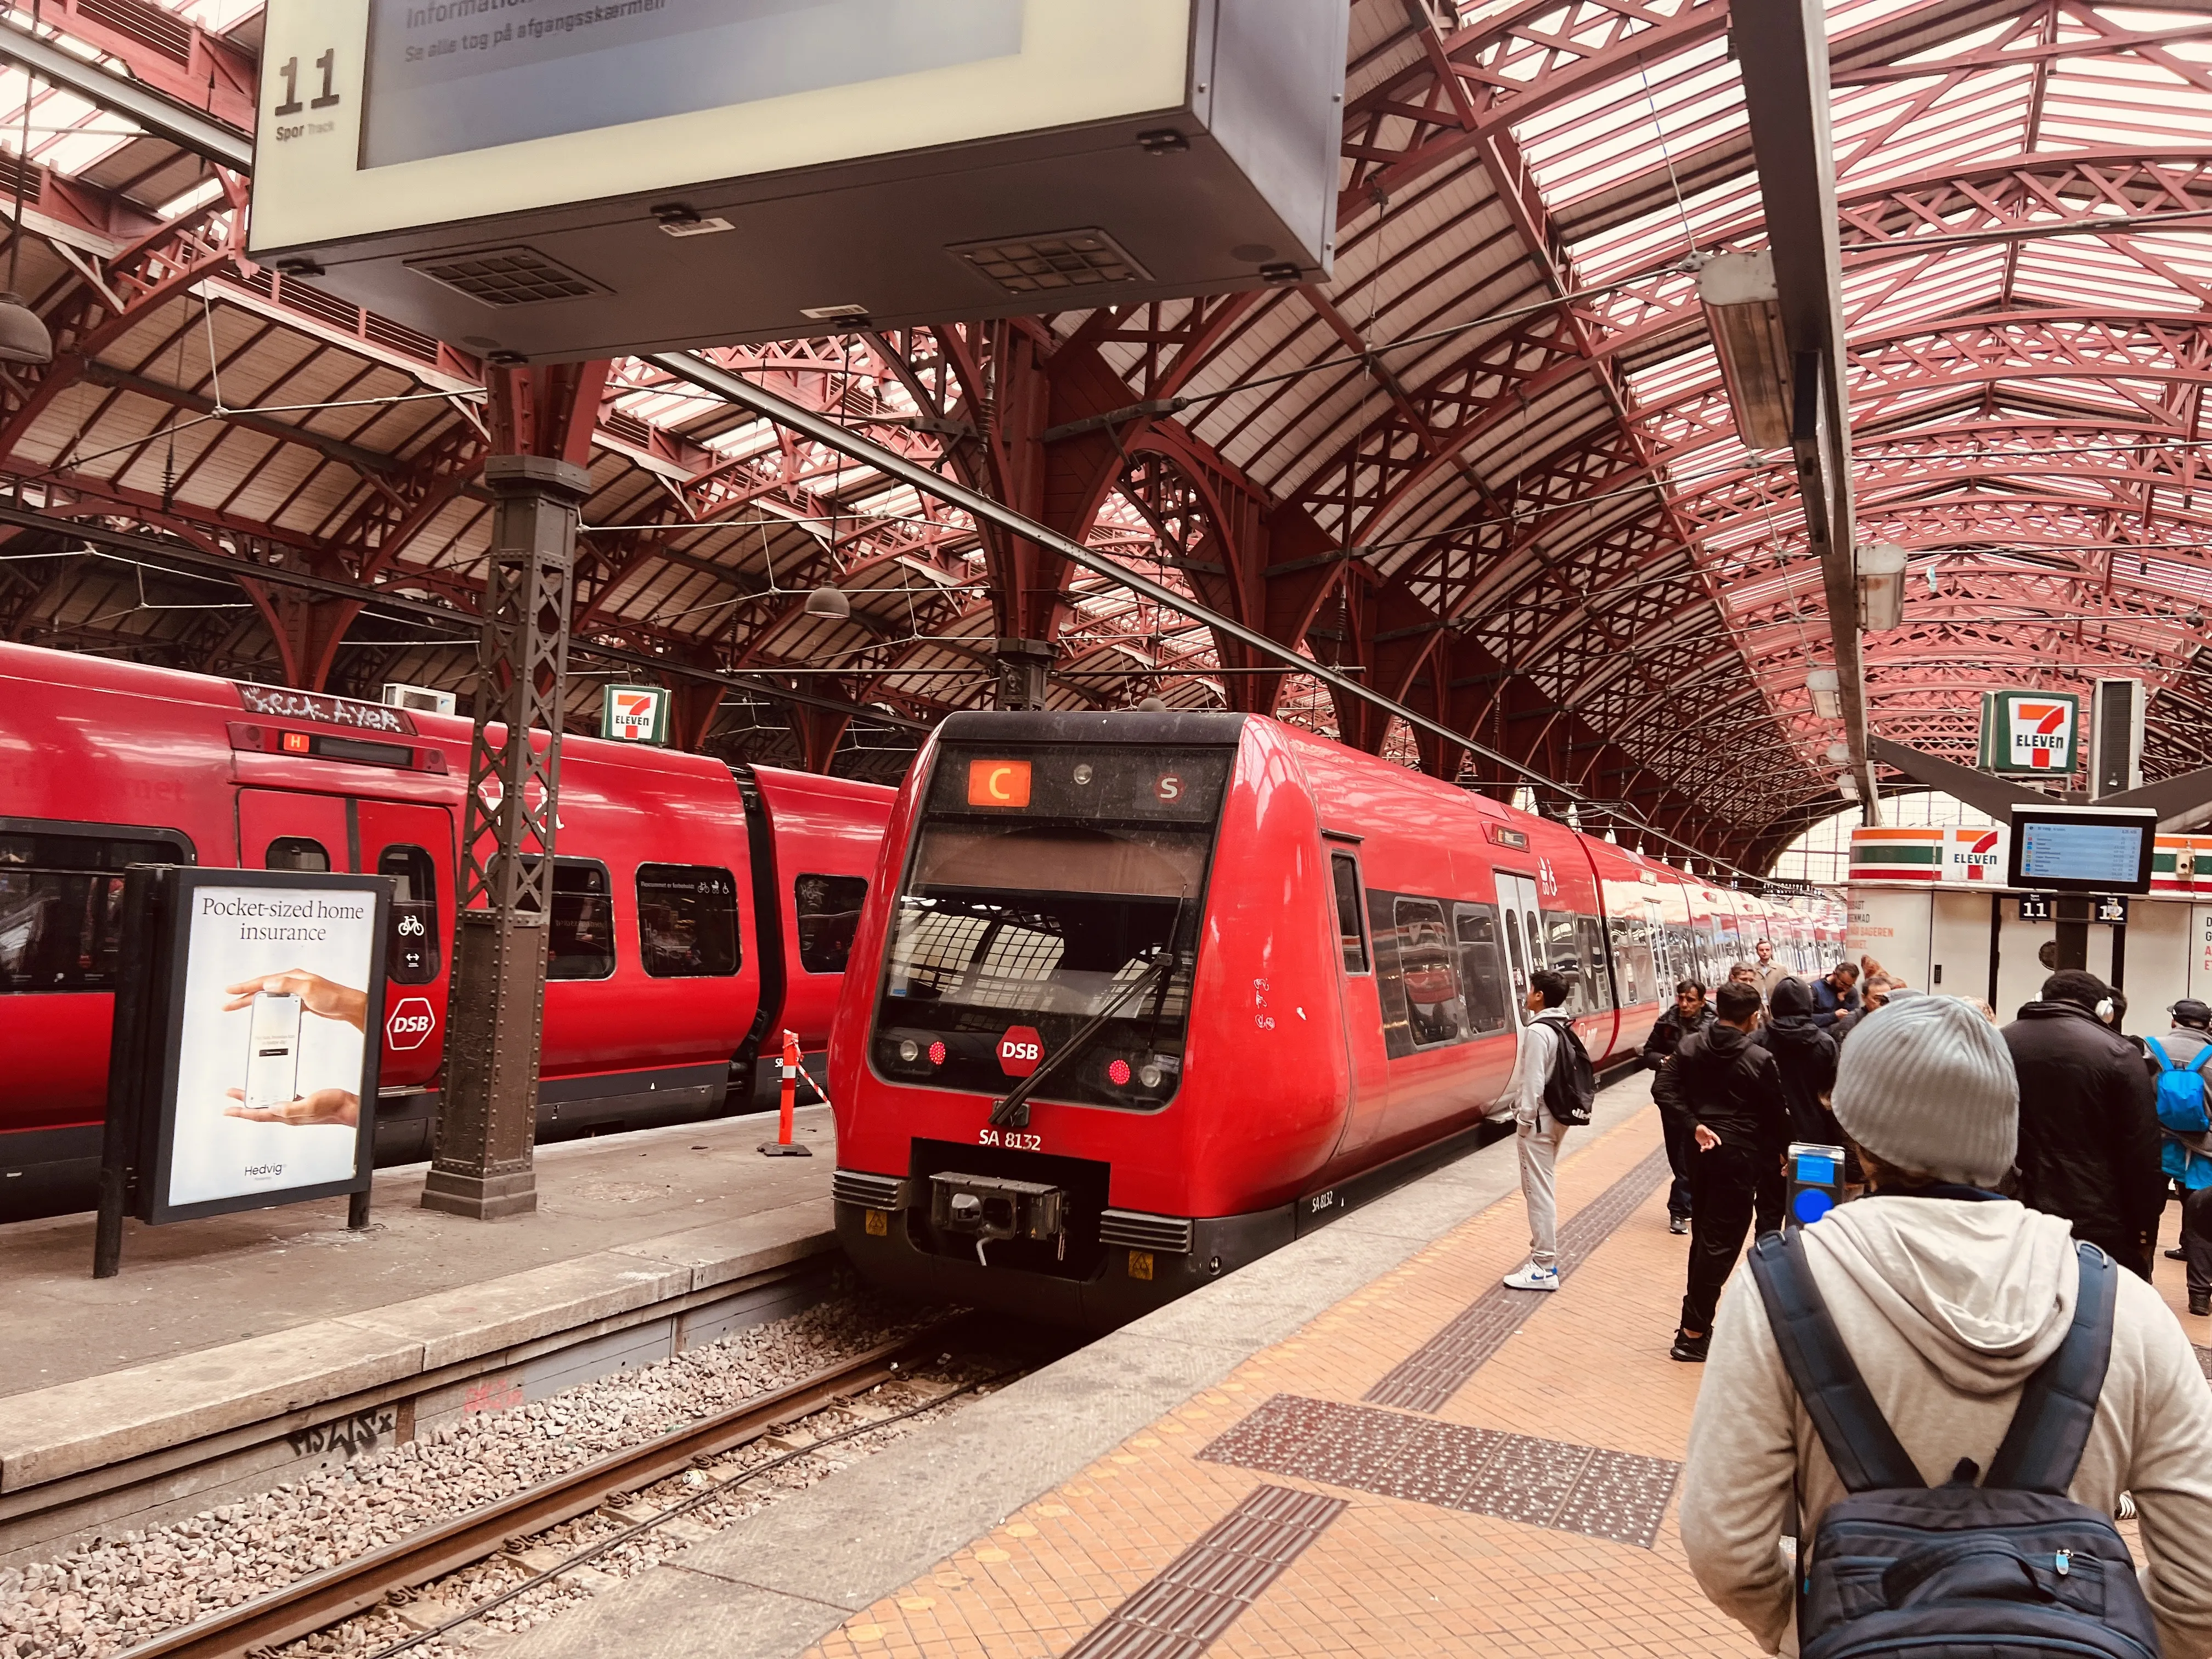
[(1013, 1112)]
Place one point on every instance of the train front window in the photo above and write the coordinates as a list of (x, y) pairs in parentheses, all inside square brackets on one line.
[(1016, 930)]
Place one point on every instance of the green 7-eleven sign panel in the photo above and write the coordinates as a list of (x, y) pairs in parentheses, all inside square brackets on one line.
[(2030, 731)]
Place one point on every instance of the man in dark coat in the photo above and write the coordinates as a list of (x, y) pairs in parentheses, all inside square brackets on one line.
[(1735, 1097), (1690, 1013), (2088, 1120), (1805, 1057)]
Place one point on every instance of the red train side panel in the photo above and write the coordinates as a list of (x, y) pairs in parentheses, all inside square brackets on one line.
[(657, 965)]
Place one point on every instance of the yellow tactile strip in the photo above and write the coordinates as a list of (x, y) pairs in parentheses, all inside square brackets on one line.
[(1390, 1575)]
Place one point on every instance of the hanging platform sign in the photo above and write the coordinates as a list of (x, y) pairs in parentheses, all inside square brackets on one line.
[(535, 180), (2030, 731), (634, 714)]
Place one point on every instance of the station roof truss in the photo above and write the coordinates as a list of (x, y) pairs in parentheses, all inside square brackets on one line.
[(1489, 467)]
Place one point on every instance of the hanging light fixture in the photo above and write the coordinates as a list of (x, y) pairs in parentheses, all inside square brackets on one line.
[(829, 603), (1150, 705), (1827, 692), (24, 336)]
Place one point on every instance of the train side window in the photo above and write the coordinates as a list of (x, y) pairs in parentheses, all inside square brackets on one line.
[(297, 852), (1591, 933), (687, 921), (1389, 974), (1351, 924), (1564, 953), (829, 909), (410, 952), (1430, 973), (580, 944), (1482, 970), (61, 906)]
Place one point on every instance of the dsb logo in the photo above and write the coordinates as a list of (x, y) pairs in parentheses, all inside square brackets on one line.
[(410, 1024), (1020, 1050)]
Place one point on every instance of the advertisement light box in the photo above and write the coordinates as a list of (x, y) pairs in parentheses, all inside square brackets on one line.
[(2082, 849), (541, 179)]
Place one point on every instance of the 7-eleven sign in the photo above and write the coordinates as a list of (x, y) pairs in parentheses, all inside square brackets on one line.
[(1974, 855), (634, 714), (2030, 731)]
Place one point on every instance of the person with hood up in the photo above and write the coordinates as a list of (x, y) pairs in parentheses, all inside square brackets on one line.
[(1947, 1298), (2088, 1120), (1805, 1057)]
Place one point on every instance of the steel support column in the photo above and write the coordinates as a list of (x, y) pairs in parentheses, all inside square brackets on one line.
[(488, 1114), (1782, 46)]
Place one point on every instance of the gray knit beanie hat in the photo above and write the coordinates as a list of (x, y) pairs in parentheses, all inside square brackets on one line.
[(1927, 1083)]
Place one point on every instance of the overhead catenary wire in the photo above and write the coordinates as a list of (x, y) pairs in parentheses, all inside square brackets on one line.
[(735, 389)]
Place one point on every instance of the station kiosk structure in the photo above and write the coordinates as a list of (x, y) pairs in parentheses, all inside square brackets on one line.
[(1933, 905)]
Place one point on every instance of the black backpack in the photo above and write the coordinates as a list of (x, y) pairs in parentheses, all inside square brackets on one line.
[(1571, 1085), (2006, 1569)]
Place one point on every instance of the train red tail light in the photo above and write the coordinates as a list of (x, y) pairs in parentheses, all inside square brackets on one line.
[(937, 1053), (1117, 1074)]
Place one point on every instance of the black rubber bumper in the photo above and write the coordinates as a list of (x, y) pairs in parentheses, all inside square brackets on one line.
[(1111, 1296)]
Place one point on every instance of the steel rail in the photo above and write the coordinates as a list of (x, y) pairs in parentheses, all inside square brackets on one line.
[(322, 1599)]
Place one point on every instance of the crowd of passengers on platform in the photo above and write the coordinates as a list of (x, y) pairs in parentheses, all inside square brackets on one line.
[(1999, 1181)]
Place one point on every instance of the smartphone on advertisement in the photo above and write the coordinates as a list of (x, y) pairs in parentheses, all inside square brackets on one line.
[(272, 1062)]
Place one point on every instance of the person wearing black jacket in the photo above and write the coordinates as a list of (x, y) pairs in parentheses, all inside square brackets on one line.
[(1805, 1058), (1734, 1091), (1690, 1013), (2088, 1120)]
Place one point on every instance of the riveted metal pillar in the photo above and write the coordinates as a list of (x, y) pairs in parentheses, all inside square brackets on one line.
[(487, 1119)]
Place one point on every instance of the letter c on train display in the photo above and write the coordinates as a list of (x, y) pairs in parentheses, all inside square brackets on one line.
[(997, 783)]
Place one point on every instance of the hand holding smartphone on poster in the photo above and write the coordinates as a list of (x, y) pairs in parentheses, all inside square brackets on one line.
[(272, 1093)]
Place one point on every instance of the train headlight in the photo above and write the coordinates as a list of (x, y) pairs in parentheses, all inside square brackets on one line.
[(1150, 1075), (908, 1051), (1083, 772)]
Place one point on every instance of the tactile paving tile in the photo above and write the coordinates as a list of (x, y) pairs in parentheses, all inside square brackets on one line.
[(1439, 1368), (1200, 1593), (2205, 1362), (1515, 1477)]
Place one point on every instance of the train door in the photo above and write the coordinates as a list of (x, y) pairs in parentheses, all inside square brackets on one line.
[(1523, 929), (414, 846), (1367, 1062)]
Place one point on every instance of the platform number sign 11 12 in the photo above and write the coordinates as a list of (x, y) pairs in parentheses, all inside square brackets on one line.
[(289, 70)]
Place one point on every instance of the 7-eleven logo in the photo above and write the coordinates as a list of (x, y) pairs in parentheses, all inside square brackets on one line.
[(1975, 854), (2043, 735)]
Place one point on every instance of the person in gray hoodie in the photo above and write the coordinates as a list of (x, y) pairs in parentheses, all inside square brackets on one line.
[(1949, 1298)]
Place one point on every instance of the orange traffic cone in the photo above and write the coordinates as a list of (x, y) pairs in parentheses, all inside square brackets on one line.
[(783, 1146)]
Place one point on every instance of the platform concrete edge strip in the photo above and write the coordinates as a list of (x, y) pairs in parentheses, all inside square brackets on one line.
[(772, 1584), (49, 1434)]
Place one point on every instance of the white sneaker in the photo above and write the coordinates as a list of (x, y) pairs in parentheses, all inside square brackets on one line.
[(1533, 1278)]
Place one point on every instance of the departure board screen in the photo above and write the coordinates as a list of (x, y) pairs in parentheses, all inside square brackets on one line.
[(448, 75), (2082, 853)]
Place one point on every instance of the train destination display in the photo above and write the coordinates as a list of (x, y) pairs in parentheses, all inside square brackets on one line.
[(2082, 849)]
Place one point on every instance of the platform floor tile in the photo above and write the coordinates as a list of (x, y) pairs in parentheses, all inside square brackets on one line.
[(1526, 1510)]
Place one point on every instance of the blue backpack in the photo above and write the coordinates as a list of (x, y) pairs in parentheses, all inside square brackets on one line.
[(2181, 1109), (2010, 1568)]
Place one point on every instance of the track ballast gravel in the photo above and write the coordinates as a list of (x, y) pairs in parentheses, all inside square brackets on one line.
[(119, 1591)]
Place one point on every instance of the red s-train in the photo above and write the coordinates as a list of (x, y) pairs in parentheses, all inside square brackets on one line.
[(700, 909), (1249, 976)]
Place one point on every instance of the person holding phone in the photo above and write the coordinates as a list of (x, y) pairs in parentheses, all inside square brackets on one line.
[(314, 994)]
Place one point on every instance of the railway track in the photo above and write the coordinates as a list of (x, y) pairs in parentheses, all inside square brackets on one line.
[(389, 1575)]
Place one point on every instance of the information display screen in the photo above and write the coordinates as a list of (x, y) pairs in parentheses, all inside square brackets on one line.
[(448, 75), (2082, 850)]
